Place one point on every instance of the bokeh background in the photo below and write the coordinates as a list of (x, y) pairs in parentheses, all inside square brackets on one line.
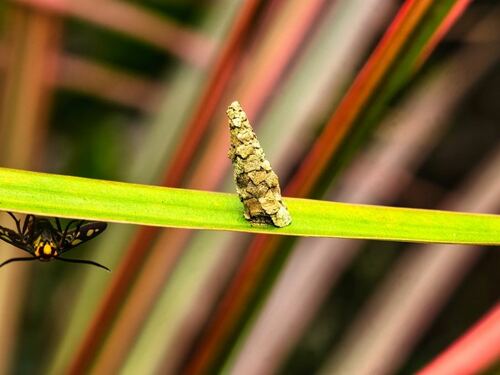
[(137, 90)]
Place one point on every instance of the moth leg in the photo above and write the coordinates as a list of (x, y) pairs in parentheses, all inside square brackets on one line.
[(18, 222), (59, 231), (26, 227), (58, 223), (30, 222), (66, 230), (78, 226)]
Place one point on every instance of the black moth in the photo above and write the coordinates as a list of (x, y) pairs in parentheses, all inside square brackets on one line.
[(45, 242)]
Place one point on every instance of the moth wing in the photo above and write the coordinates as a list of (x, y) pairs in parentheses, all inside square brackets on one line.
[(15, 239), (82, 234)]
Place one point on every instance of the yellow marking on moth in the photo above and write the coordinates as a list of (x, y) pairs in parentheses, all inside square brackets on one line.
[(47, 249), (90, 232), (76, 242)]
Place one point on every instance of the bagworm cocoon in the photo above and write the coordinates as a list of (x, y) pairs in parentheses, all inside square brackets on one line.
[(256, 183)]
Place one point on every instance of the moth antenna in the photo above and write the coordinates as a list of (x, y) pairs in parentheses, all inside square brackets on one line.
[(23, 259), (92, 263)]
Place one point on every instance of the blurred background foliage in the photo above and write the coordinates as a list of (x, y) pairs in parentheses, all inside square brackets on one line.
[(110, 89)]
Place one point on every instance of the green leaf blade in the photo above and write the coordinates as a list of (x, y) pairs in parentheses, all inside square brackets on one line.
[(83, 198)]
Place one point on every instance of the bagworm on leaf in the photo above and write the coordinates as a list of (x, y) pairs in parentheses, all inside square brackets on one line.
[(256, 183)]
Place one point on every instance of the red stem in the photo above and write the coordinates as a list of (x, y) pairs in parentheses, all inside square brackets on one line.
[(472, 353)]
